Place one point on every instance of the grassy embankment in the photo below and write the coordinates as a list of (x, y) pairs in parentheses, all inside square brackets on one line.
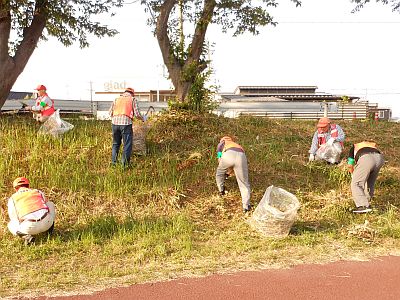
[(163, 219)]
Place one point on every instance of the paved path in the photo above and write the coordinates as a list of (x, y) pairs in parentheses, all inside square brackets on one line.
[(377, 279)]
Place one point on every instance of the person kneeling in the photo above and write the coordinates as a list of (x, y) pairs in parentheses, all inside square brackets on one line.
[(29, 211), (327, 143)]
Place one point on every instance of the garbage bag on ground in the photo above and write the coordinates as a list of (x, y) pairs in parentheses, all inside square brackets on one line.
[(276, 213), (329, 153), (55, 126), (140, 130)]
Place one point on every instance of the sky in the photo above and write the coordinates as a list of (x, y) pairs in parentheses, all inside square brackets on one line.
[(318, 44)]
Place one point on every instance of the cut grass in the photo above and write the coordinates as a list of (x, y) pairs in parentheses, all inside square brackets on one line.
[(162, 218)]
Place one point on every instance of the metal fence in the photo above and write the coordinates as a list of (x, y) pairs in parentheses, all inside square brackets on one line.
[(280, 110)]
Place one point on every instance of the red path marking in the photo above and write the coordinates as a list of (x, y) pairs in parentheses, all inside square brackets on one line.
[(376, 279)]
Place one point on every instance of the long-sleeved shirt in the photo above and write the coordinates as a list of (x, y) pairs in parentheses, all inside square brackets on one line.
[(314, 143), (122, 119), (46, 100)]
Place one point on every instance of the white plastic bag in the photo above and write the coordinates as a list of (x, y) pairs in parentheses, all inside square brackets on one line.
[(55, 126), (276, 212), (330, 153)]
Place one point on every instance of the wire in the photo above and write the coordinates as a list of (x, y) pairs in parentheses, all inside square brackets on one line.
[(131, 2), (338, 22)]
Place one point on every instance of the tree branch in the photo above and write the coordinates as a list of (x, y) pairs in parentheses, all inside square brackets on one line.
[(31, 37), (200, 31), (5, 28), (162, 33)]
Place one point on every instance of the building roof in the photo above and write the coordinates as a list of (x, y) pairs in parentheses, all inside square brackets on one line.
[(275, 89), (19, 95)]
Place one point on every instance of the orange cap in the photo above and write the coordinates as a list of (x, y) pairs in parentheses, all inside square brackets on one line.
[(323, 122), (130, 90), (20, 181), (41, 87)]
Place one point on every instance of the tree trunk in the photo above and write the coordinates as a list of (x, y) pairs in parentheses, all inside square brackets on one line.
[(12, 67), (176, 68)]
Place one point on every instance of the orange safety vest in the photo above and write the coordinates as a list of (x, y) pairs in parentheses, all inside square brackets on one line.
[(48, 110), (230, 144), (27, 201), (123, 106), (361, 145), (322, 136)]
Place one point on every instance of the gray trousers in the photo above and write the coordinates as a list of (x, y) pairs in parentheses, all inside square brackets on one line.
[(238, 161), (364, 176)]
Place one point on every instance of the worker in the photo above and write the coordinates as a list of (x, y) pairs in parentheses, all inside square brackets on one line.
[(122, 112), (364, 162), (231, 155), (29, 211), (44, 106), (329, 134)]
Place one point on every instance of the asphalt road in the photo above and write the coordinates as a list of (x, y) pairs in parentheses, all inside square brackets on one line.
[(375, 279)]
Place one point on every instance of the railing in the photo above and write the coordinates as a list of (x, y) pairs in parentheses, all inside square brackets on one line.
[(280, 110)]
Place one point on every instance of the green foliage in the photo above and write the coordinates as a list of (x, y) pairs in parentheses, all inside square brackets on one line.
[(68, 21), (360, 4), (200, 97)]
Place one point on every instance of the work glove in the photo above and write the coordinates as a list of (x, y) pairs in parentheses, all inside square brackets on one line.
[(312, 157), (351, 168), (330, 141), (145, 118)]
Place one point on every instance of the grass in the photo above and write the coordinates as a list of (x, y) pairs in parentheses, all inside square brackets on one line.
[(162, 218)]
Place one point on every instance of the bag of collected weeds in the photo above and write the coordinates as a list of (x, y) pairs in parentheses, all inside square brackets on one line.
[(55, 126), (140, 130), (276, 213), (330, 153)]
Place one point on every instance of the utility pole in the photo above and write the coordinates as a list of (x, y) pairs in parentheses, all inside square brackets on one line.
[(91, 96)]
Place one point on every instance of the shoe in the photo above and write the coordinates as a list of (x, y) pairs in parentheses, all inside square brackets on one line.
[(362, 210), (29, 239), (223, 192), (246, 210)]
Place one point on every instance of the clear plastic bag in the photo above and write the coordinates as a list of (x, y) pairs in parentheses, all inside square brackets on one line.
[(55, 126), (140, 130), (276, 213), (329, 153)]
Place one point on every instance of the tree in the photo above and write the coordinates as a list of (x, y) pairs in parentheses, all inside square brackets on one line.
[(394, 3), (185, 59), (24, 22)]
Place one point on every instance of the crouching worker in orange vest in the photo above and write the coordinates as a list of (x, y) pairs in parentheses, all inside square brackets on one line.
[(364, 161), (326, 133), (231, 155), (44, 106), (29, 211)]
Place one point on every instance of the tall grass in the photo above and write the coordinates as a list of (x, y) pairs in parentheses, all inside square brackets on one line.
[(162, 217)]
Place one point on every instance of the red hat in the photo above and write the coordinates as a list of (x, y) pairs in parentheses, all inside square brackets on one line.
[(20, 181), (323, 122), (41, 87), (130, 90)]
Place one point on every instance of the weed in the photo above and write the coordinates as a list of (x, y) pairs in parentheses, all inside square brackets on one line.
[(163, 217)]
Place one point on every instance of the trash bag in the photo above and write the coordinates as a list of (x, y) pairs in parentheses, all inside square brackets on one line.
[(140, 130), (55, 126), (329, 153), (276, 213)]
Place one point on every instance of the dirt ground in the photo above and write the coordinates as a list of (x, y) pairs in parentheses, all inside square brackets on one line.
[(375, 279)]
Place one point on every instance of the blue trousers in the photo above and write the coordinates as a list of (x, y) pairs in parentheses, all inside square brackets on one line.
[(122, 133)]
